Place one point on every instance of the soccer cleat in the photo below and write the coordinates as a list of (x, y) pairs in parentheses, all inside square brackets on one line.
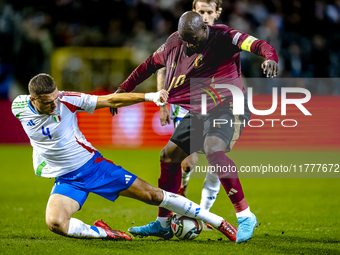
[(228, 230), (111, 233), (246, 226), (152, 229), (183, 191)]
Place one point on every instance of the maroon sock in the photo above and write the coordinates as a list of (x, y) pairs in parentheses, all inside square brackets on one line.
[(227, 173), (170, 180)]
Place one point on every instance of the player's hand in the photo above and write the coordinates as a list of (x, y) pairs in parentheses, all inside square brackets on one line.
[(164, 115), (114, 111), (159, 98), (270, 67), (120, 90), (164, 95)]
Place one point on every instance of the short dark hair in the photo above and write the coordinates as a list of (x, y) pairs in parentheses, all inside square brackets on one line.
[(41, 84), (217, 2)]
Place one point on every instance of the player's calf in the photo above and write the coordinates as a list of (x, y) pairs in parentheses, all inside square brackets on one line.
[(144, 192)]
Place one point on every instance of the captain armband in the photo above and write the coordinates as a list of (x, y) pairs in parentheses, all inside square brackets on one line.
[(247, 43)]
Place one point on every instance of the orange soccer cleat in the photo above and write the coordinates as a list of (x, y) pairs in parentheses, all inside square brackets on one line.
[(111, 233)]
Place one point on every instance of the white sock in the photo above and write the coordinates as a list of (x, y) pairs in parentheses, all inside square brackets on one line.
[(78, 228), (244, 213), (165, 221), (184, 206), (186, 177), (211, 187)]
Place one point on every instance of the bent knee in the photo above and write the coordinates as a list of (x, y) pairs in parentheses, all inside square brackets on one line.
[(172, 154), (164, 157), (57, 225), (213, 144), (186, 166), (212, 149), (189, 163), (168, 157)]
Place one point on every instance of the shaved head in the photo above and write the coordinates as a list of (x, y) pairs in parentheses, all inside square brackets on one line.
[(193, 31), (189, 23)]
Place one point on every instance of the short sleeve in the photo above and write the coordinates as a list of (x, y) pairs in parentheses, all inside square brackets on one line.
[(76, 101), (19, 106)]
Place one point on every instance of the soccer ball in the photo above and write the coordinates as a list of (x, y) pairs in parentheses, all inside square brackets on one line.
[(185, 228)]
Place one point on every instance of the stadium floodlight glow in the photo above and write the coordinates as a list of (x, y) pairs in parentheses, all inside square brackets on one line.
[(238, 100)]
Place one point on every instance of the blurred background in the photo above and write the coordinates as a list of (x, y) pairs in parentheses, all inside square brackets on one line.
[(33, 34), (93, 45)]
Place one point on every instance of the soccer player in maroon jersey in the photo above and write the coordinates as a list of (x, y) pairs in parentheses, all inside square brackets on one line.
[(210, 10), (211, 53)]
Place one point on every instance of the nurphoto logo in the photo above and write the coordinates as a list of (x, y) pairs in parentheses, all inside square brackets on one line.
[(238, 105)]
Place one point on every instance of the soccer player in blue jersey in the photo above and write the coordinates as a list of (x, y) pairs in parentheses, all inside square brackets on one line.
[(61, 151)]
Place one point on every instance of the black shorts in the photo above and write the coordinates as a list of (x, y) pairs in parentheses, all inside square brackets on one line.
[(191, 132)]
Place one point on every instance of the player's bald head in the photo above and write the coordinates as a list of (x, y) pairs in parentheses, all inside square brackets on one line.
[(193, 31), (190, 23)]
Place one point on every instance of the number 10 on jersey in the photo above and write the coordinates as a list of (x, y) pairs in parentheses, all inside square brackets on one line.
[(180, 80)]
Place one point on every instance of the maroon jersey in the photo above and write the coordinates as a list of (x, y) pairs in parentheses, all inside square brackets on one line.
[(218, 63)]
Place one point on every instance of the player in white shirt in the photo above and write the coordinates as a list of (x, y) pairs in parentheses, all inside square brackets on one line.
[(61, 151)]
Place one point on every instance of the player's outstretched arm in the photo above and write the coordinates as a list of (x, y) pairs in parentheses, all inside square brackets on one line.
[(125, 99), (270, 67)]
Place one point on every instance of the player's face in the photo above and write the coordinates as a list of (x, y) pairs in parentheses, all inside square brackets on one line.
[(196, 41), (207, 12), (46, 103)]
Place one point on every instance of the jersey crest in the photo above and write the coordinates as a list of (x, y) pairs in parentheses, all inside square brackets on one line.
[(57, 118), (198, 61)]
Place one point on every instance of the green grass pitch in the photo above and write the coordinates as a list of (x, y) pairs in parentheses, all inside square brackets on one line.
[(296, 215)]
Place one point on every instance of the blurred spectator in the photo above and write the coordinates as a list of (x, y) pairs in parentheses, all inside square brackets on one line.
[(6, 78), (306, 34), (320, 57)]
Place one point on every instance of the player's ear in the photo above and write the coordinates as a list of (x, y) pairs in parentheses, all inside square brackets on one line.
[(218, 13), (33, 100)]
